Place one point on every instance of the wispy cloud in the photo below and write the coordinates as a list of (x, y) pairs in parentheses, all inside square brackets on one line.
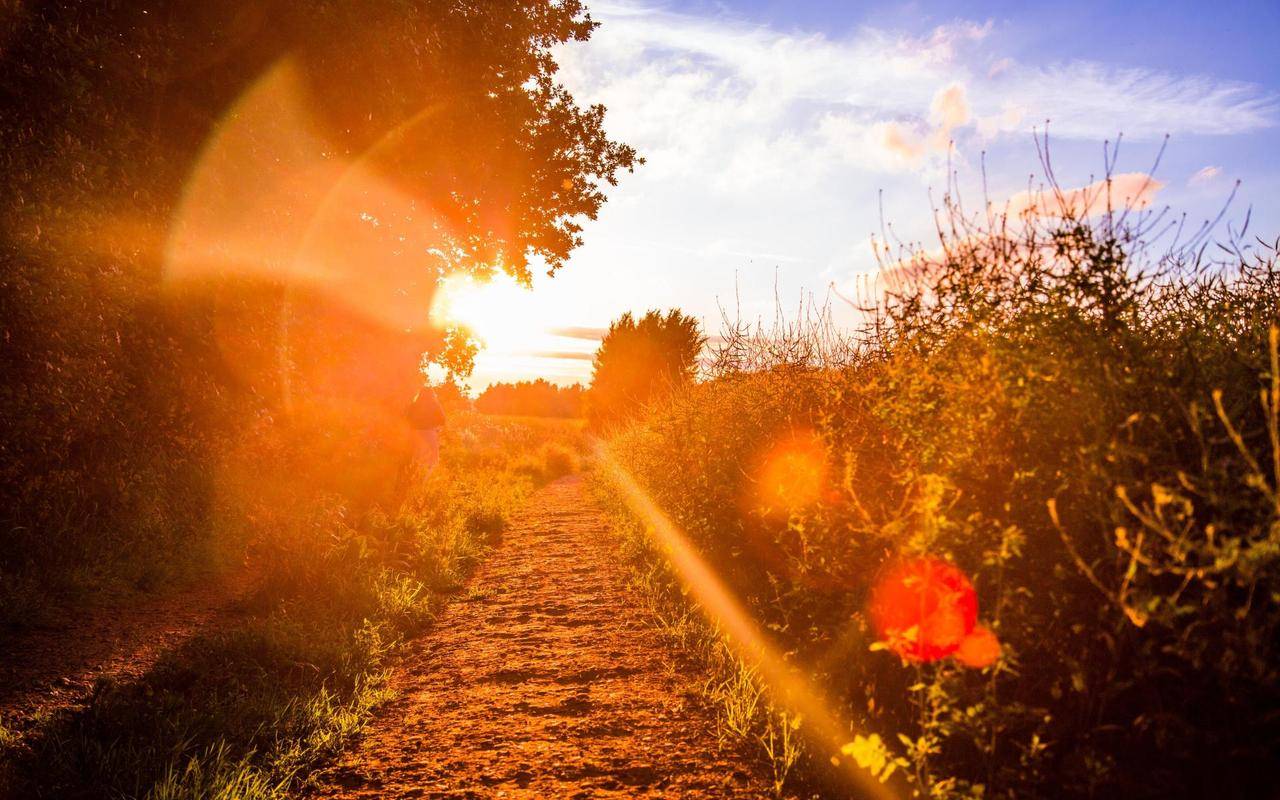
[(746, 104), (1132, 190), (579, 332), (1204, 175), (1088, 100), (568, 355)]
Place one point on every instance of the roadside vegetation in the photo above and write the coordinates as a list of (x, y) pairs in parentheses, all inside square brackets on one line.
[(1080, 413), (246, 710)]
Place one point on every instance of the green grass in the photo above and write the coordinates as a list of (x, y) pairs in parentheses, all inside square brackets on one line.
[(746, 717), (248, 711)]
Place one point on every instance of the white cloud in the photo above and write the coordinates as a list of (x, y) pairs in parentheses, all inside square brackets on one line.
[(747, 103), (946, 39), (1204, 175), (1087, 100), (766, 147), (1135, 190), (1010, 119), (999, 66), (950, 107)]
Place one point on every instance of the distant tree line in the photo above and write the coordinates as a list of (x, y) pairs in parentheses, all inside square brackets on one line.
[(537, 398)]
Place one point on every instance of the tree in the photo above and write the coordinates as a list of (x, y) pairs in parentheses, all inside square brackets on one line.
[(220, 219), (641, 360), (451, 396)]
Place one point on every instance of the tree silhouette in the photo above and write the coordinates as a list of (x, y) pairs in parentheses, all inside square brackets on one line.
[(640, 360), (377, 143)]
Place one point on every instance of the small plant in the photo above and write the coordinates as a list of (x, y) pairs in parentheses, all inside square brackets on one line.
[(782, 745), (739, 698), (558, 461)]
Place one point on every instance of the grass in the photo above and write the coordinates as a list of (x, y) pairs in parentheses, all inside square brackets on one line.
[(746, 716), (248, 710)]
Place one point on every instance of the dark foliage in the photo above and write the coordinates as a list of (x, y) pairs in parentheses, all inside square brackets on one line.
[(126, 395)]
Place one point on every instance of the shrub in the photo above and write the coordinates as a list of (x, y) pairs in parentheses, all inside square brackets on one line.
[(1086, 430), (558, 461)]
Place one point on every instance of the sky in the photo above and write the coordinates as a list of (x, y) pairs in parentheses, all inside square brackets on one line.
[(775, 131)]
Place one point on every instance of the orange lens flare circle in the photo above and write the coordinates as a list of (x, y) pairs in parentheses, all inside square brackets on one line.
[(925, 609), (979, 649), (792, 473)]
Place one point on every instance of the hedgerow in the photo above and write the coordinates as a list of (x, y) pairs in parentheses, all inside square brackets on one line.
[(1079, 415)]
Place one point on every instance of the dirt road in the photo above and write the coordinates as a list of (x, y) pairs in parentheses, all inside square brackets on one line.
[(543, 681)]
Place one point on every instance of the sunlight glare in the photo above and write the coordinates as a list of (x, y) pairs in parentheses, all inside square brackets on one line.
[(793, 473), (804, 698), (926, 609), (496, 311)]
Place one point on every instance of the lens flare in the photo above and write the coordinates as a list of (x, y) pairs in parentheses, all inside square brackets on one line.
[(792, 473), (925, 609), (979, 649), (293, 239), (788, 687)]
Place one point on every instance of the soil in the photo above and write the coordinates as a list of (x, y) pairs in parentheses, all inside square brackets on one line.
[(54, 667), (543, 680)]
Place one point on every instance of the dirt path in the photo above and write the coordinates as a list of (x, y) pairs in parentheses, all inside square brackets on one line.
[(543, 682), (54, 667)]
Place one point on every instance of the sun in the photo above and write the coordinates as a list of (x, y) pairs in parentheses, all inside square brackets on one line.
[(521, 333), (498, 311)]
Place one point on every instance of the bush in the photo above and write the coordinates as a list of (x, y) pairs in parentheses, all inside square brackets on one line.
[(1088, 432), (558, 461)]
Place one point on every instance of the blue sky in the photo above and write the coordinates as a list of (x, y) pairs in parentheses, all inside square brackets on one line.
[(771, 128), (1229, 40)]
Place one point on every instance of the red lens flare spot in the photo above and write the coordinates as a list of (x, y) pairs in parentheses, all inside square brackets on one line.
[(792, 473), (979, 649), (923, 609)]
